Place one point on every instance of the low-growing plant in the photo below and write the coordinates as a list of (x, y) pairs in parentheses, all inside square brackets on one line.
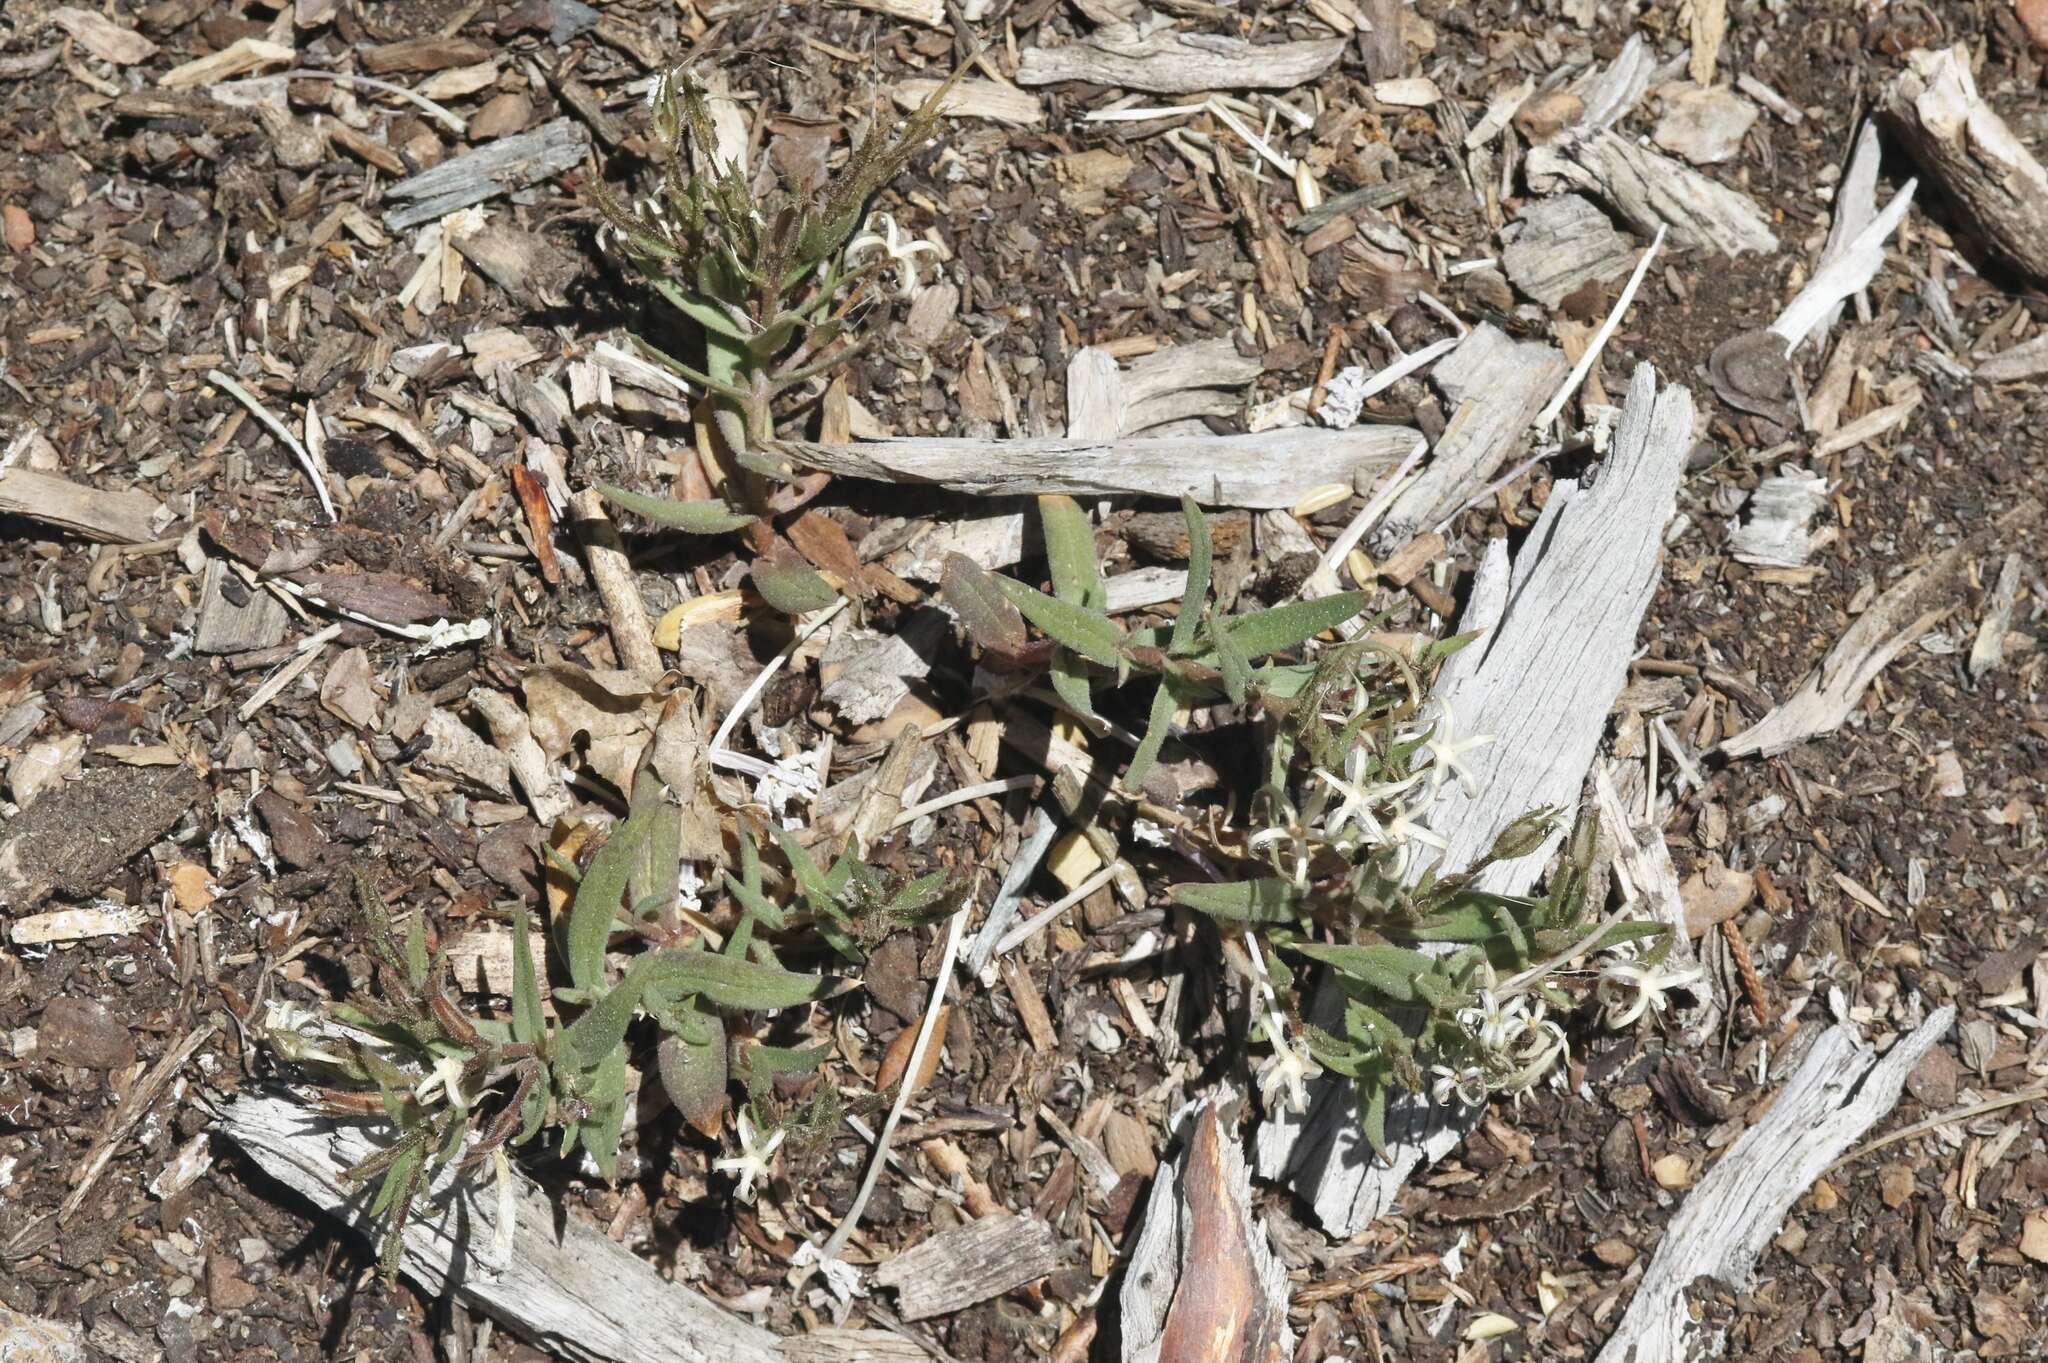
[(778, 283), (1439, 985), (458, 1087)]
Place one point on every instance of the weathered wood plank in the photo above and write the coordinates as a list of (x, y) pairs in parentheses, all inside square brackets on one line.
[(1495, 385), (1270, 469), (567, 1286), (1174, 63), (1962, 142), (1838, 1092), (495, 168), (970, 1263), (127, 517)]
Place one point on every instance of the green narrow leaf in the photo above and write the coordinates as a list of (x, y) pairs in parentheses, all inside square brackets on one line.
[(1232, 662), (602, 1028), (533, 1110), (759, 1064), (1289, 626), (756, 904), (416, 949), (598, 898), (1620, 934), (1471, 916), (750, 986), (1156, 726), (528, 1022), (1070, 552), (1069, 677), (809, 879), (793, 588), (404, 1168), (693, 1071), (985, 613), (692, 518), (1268, 900), (1200, 555), (1372, 1110), (659, 855), (1092, 635), (917, 896), (704, 313), (607, 1119), (1395, 972)]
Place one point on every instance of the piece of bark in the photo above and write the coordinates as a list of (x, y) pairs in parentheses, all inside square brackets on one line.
[(1163, 535), (499, 167), (2027, 360), (1903, 614), (1179, 382), (531, 270), (103, 37), (976, 98), (1650, 190), (1987, 651), (612, 569), (1170, 62), (1838, 1092), (1174, 383), (1380, 45), (1847, 264), (1611, 94), (1096, 402), (238, 58), (970, 1263), (1998, 185), (1560, 627), (567, 1288), (454, 749), (1557, 246), (126, 517), (225, 627), (1705, 126), (1855, 207), (1495, 386), (1203, 1284), (74, 838), (1272, 469), (989, 541), (839, 1345), (413, 56), (1776, 535)]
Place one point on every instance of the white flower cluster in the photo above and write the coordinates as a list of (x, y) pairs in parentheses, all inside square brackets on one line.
[(1342, 812), (1519, 1045)]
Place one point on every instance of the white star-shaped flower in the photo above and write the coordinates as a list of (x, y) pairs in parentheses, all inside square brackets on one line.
[(901, 248), (1467, 1085), (1495, 1023), (1287, 1070), (1628, 990), (1359, 802), (1447, 753), (445, 1077), (755, 1159)]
